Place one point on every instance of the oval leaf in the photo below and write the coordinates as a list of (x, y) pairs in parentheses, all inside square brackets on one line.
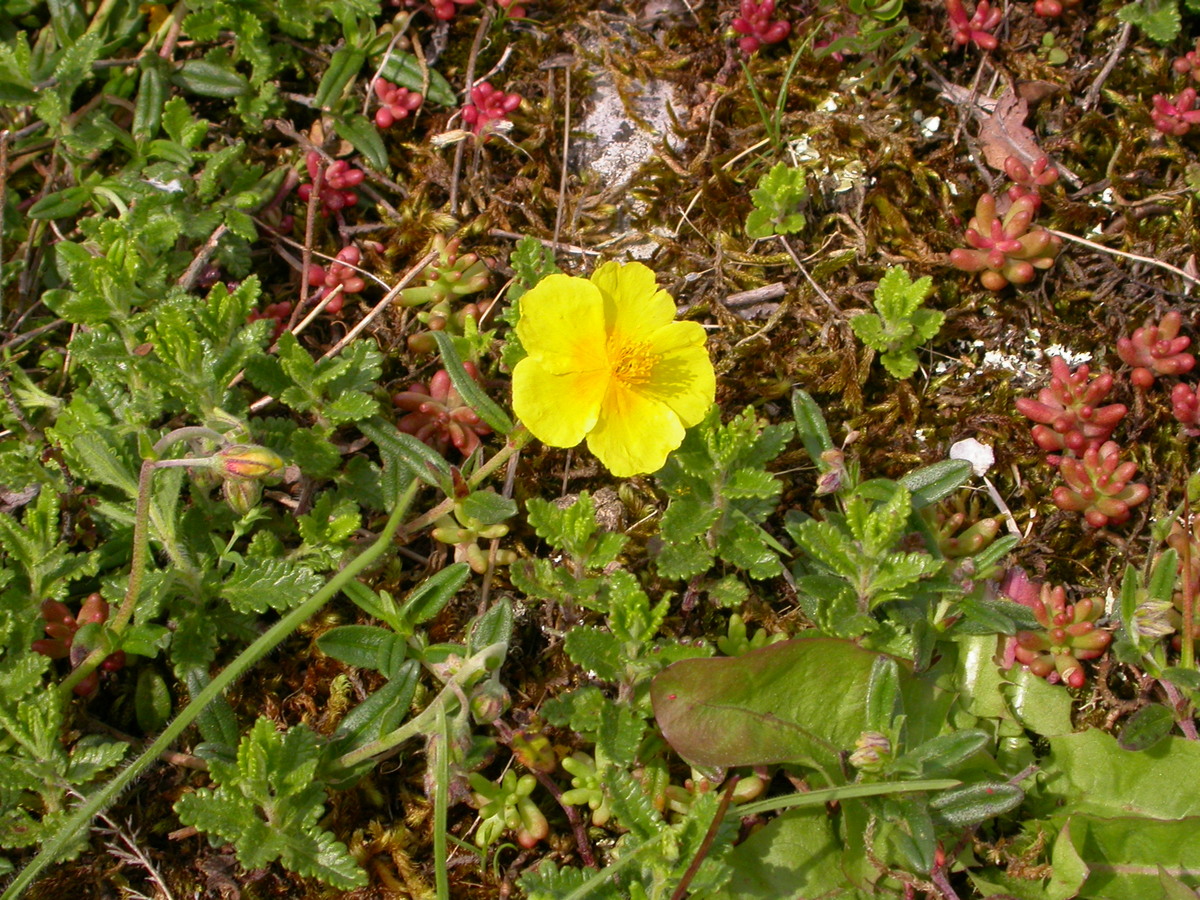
[(362, 133), (975, 803), (198, 76), (1146, 727), (365, 647), (931, 483), (404, 70), (793, 701)]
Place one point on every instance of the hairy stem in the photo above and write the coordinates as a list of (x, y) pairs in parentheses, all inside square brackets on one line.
[(65, 836)]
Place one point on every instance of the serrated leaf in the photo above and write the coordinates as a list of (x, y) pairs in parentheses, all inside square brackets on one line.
[(897, 296), (900, 363), (595, 651), (91, 756), (269, 584), (1159, 19), (868, 328), (268, 805), (684, 559), (488, 507), (350, 407)]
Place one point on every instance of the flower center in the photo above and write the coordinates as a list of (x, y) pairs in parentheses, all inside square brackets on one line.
[(632, 362)]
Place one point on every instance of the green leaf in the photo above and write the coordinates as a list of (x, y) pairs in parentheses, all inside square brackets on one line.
[(868, 328), (766, 706), (152, 701), (1146, 727), (935, 482), (884, 702), (493, 627), (810, 425), (946, 752), (60, 205), (1088, 772), (268, 805), (468, 388), (778, 199), (365, 647), (974, 803), (269, 584), (595, 651), (430, 597), (1124, 855), (400, 449), (1159, 19), (900, 363), (343, 68), (364, 136), (488, 507), (404, 70), (206, 79)]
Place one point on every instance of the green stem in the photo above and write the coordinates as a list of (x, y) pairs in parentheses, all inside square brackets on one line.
[(424, 721), (137, 567), (65, 836), (440, 809), (519, 437)]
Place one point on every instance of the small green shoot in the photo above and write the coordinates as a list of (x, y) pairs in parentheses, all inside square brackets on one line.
[(779, 202), (901, 326)]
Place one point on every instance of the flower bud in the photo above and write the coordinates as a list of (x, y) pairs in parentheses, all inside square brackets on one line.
[(871, 751), (247, 462), (489, 701), (242, 495)]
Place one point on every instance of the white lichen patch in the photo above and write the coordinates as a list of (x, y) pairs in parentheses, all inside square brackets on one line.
[(615, 146)]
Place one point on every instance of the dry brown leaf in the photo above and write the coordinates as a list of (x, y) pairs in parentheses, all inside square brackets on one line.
[(1003, 133)]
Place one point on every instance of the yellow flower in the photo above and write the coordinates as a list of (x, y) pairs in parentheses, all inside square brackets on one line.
[(607, 361)]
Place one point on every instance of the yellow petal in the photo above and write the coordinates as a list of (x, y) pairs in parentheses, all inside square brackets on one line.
[(559, 409), (633, 304), (562, 324), (683, 377), (634, 433)]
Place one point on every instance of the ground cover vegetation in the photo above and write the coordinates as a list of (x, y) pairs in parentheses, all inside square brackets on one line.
[(396, 502)]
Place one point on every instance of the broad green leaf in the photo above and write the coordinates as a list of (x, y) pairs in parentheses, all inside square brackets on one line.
[(1090, 773), (783, 703), (1041, 707), (1124, 854)]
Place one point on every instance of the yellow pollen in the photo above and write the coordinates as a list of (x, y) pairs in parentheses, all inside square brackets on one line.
[(632, 362)]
